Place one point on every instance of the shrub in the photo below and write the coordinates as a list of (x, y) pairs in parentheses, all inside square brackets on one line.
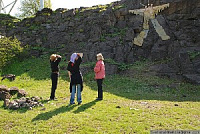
[(8, 21), (9, 49)]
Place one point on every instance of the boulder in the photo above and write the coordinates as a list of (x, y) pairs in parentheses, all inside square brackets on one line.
[(6, 103), (13, 105), (121, 24), (22, 93), (4, 88), (123, 11), (4, 95), (13, 90), (161, 68), (192, 78), (159, 52), (10, 77), (164, 70)]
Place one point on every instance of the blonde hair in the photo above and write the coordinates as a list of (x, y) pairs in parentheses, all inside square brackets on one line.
[(100, 56), (53, 57)]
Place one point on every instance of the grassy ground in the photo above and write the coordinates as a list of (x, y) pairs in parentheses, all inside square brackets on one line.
[(132, 103)]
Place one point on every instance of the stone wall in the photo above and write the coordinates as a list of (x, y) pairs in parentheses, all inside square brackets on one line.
[(110, 29)]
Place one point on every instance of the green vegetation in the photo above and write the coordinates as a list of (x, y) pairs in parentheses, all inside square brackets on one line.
[(100, 7), (81, 30), (9, 49), (8, 21), (104, 7), (116, 32), (81, 44), (118, 7), (34, 27), (193, 55), (77, 13), (135, 102), (121, 66), (41, 49)]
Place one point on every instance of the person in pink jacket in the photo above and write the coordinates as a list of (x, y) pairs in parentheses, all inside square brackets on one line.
[(99, 70)]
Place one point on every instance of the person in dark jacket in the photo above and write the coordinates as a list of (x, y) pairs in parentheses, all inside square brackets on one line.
[(76, 79), (54, 62)]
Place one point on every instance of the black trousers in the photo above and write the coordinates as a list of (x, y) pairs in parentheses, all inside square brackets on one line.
[(54, 79), (100, 90)]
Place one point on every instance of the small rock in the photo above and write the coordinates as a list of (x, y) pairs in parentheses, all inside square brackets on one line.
[(6, 103), (134, 109), (13, 105), (21, 102), (24, 105), (43, 109), (35, 98), (3, 88), (10, 77), (144, 103), (4, 95), (35, 103), (65, 99), (41, 105)]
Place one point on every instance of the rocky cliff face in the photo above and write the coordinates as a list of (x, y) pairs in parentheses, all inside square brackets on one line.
[(110, 29)]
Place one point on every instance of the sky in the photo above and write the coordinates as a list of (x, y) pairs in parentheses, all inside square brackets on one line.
[(62, 4)]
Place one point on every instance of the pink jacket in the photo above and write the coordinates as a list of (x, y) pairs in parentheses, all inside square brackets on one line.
[(99, 70)]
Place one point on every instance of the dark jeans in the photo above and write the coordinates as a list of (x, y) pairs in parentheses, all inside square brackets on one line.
[(100, 90), (54, 79)]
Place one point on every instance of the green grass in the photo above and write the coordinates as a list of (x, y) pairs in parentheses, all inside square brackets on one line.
[(132, 103)]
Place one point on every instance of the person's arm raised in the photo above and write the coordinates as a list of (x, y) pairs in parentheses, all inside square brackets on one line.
[(69, 73), (80, 54), (58, 58)]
